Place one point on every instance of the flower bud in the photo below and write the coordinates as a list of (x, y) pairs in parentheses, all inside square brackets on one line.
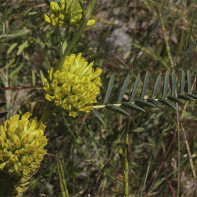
[(54, 6), (66, 13)]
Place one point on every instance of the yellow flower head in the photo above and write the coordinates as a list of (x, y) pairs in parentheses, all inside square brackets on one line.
[(22, 144), (75, 86), (67, 12)]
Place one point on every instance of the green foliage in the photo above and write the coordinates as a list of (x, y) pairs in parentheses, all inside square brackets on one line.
[(125, 41), (165, 97)]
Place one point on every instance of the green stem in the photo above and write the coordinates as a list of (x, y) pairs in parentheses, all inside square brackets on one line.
[(185, 138), (45, 113), (166, 40), (77, 34), (117, 104), (62, 180), (68, 49), (189, 152), (179, 151), (126, 171), (103, 106)]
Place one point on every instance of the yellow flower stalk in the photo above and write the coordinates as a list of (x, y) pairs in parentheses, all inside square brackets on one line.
[(22, 144), (75, 86), (66, 13)]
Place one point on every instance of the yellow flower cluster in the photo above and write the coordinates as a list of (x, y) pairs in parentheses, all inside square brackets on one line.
[(22, 144), (67, 12), (75, 86)]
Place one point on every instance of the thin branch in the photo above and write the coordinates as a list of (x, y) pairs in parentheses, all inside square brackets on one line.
[(162, 163), (21, 87), (126, 170), (188, 150), (166, 40), (179, 150), (170, 186)]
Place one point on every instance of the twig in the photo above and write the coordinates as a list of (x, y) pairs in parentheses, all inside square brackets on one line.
[(171, 188), (186, 141), (179, 149), (21, 87), (188, 150), (162, 163), (126, 171)]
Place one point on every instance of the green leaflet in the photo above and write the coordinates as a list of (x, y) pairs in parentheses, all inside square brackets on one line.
[(159, 95), (97, 115)]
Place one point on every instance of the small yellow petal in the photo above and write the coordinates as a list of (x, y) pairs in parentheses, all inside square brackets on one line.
[(96, 74), (61, 16), (73, 114), (49, 97), (46, 18), (91, 22), (51, 74), (54, 6), (65, 88), (62, 2), (52, 16)]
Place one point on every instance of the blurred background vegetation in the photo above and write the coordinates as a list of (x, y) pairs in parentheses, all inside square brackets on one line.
[(127, 38)]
